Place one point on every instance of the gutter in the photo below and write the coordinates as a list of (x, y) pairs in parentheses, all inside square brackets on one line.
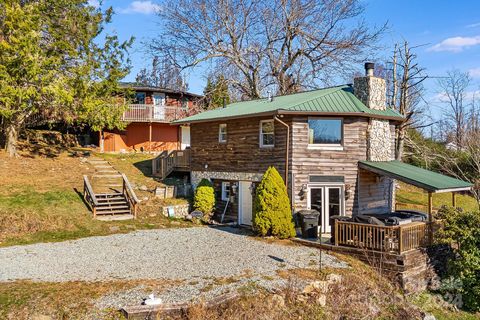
[(287, 148)]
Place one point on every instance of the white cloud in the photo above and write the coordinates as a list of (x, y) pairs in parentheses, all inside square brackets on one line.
[(473, 25), (455, 44), (94, 3), (143, 7), (474, 73)]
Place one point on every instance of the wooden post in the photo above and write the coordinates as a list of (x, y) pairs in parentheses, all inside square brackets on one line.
[(400, 240), (430, 218), (454, 200), (150, 136)]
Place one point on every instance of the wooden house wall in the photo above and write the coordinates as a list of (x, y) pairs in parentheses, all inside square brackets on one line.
[(373, 192), (344, 162), (241, 152)]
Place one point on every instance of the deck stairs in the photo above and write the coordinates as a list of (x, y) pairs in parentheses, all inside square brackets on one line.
[(169, 161), (108, 192)]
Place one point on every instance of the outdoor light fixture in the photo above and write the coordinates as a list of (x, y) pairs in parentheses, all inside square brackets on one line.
[(234, 187), (206, 166), (303, 191)]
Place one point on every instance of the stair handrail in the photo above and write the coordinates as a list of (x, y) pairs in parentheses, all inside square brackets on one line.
[(89, 195), (157, 162), (129, 194)]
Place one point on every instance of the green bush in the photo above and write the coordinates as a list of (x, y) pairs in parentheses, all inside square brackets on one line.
[(461, 230), (272, 214), (204, 199)]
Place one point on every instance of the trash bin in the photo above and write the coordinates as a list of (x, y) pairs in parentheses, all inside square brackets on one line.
[(309, 223)]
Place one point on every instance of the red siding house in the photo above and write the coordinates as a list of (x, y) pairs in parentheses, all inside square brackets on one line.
[(149, 117)]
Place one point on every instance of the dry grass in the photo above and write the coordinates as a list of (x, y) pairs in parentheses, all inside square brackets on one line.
[(66, 300), (41, 200)]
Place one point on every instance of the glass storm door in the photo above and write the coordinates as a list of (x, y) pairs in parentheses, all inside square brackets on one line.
[(327, 200), (159, 106)]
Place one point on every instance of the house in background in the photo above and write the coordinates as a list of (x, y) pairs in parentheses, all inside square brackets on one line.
[(149, 120), (333, 146)]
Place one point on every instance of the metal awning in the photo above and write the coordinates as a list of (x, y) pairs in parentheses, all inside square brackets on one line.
[(422, 178)]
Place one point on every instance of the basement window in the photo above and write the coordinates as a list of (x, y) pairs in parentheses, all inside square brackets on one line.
[(225, 191), (325, 133), (267, 134), (222, 133)]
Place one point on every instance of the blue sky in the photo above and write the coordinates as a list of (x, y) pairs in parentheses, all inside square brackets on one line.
[(449, 32)]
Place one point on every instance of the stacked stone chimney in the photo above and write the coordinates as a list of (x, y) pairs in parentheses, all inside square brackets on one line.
[(372, 92)]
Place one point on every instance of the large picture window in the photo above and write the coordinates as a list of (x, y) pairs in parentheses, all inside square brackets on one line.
[(325, 131), (267, 134)]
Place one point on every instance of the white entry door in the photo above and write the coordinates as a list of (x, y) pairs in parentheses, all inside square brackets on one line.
[(159, 106), (185, 136), (245, 203), (328, 200)]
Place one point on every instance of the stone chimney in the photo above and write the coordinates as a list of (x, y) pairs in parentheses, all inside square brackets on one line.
[(371, 90)]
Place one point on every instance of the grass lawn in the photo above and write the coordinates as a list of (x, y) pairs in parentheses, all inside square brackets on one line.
[(411, 195), (41, 198)]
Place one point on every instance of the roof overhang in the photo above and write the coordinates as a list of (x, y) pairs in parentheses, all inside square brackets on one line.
[(288, 112), (425, 179)]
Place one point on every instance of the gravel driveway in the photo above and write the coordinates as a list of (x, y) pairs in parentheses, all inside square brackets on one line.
[(155, 254)]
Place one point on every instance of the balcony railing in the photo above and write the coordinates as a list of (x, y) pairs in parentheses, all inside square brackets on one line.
[(153, 113)]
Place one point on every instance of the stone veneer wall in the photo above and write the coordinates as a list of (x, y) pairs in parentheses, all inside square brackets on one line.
[(371, 91), (379, 140), (197, 176)]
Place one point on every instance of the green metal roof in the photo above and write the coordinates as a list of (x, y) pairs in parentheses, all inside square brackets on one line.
[(425, 179), (334, 100)]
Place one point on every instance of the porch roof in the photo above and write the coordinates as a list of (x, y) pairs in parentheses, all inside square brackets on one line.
[(422, 178)]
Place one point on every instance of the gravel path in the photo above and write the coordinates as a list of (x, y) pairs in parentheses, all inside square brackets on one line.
[(155, 254)]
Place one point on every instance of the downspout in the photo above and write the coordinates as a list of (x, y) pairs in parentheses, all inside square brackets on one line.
[(287, 149)]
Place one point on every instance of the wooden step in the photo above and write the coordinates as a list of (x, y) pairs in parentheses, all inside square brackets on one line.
[(109, 195), (115, 217), (114, 202), (95, 175), (113, 212), (113, 209)]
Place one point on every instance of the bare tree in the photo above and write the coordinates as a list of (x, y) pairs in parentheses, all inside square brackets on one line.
[(453, 91), (287, 45), (163, 74), (405, 91)]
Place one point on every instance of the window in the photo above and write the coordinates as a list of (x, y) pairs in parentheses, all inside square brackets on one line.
[(328, 132), (267, 136), (222, 133), (140, 97), (225, 191)]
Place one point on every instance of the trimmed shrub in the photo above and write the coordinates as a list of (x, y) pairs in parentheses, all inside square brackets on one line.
[(272, 214), (204, 199)]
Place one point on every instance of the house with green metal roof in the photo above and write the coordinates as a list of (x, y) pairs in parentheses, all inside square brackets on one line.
[(334, 148)]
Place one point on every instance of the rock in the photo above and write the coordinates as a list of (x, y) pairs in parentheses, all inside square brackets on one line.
[(276, 301), (320, 286), (145, 199), (188, 217), (334, 278), (114, 229), (322, 300), (143, 188), (196, 214), (429, 316), (41, 317), (308, 289)]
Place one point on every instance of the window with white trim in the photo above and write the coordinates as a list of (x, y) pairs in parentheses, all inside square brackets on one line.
[(325, 132), (267, 133), (225, 191), (222, 133)]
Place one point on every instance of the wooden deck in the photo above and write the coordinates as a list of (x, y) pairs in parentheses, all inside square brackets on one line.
[(394, 239), (152, 113), (173, 160)]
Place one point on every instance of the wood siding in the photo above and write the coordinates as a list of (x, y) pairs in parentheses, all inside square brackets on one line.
[(241, 152), (344, 162)]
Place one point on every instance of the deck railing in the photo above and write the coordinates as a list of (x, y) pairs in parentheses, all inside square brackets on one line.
[(168, 161), (153, 113), (391, 239)]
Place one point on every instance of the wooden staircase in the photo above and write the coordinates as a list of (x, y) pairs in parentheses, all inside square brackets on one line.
[(169, 161), (110, 195)]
